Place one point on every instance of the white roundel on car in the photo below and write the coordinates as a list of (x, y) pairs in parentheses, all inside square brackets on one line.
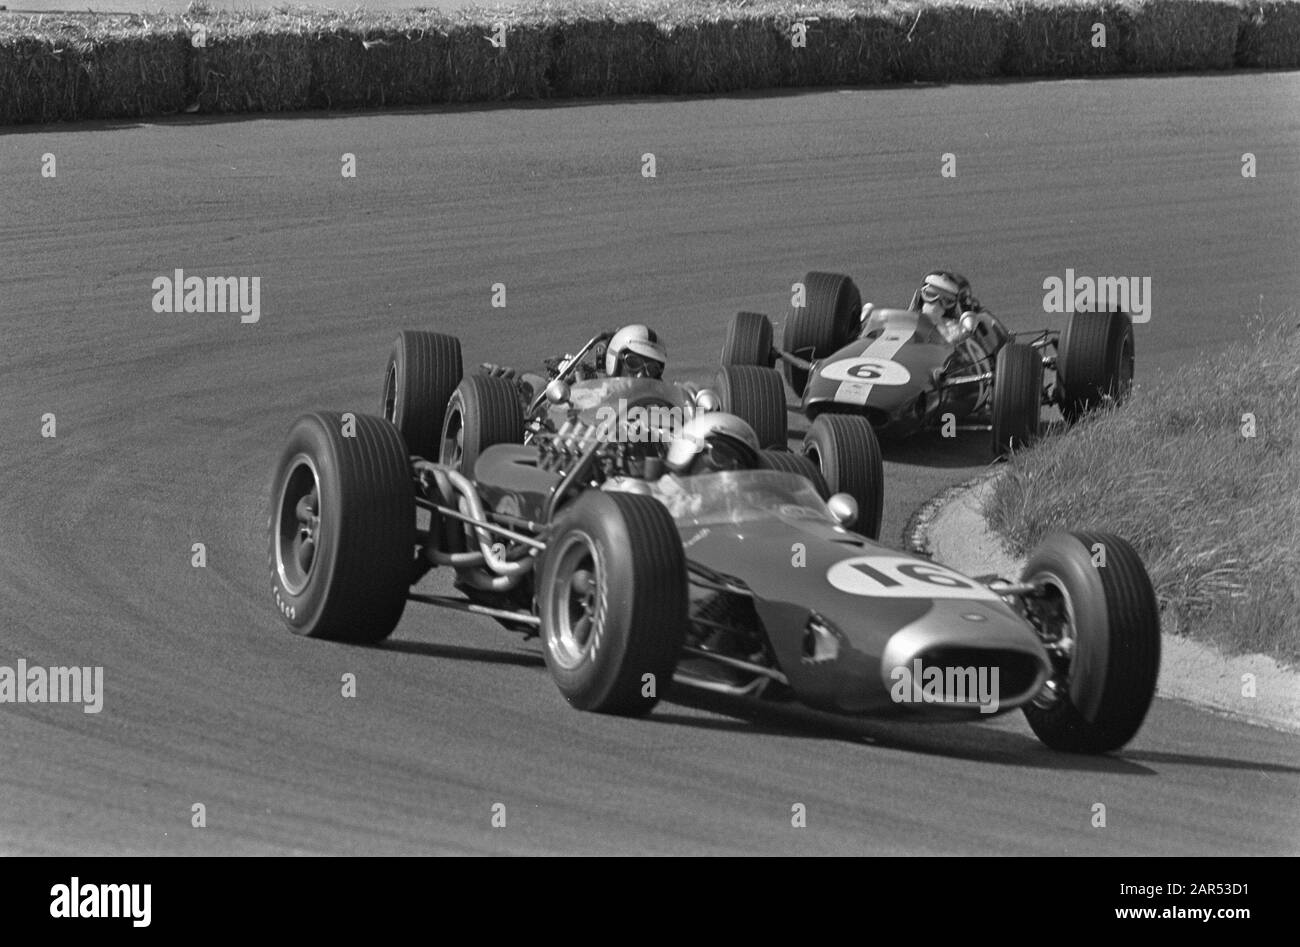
[(886, 576), (872, 371)]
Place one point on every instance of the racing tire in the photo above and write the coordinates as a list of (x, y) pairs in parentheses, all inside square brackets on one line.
[(757, 395), (1017, 397), (789, 462), (1107, 683), (833, 306), (342, 528), (1095, 362), (748, 340), (482, 411), (845, 450), (423, 370), (612, 598)]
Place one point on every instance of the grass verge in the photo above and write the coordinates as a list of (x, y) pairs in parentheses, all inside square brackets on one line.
[(1214, 512)]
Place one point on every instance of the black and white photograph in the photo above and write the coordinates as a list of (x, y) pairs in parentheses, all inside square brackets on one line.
[(650, 428)]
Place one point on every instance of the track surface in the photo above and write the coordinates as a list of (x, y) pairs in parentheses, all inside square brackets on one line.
[(167, 425)]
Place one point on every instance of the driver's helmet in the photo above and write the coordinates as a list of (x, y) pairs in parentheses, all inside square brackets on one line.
[(943, 296), (635, 352), (713, 442)]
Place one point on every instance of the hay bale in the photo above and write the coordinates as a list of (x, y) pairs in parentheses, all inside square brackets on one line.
[(1269, 35), (138, 75), (1176, 35), (605, 57), (354, 67), (39, 85), (724, 56), (258, 64), (853, 49), (477, 71), (937, 44), (1058, 40)]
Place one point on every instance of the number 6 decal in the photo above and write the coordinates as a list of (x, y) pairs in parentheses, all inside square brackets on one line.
[(902, 577), (877, 371)]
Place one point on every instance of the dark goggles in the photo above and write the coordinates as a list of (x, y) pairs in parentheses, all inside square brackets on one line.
[(724, 454), (634, 364), (932, 295)]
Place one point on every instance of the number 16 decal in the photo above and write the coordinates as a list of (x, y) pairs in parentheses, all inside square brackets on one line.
[(902, 577)]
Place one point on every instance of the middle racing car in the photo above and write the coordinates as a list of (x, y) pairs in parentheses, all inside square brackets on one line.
[(750, 581)]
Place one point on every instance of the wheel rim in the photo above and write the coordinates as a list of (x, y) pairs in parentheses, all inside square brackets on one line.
[(1063, 651), (812, 453), (298, 529), (390, 394), (453, 436), (577, 606)]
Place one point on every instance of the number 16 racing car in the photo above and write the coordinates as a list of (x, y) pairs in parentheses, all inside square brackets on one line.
[(749, 582)]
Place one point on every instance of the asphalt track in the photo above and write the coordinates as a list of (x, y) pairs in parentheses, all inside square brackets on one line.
[(167, 425)]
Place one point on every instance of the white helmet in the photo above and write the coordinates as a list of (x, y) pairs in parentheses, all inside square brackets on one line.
[(639, 341), (721, 441)]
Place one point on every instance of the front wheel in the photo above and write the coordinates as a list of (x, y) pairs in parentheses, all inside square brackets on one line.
[(756, 395), (1095, 364), (612, 597), (845, 449), (826, 321), (1017, 397), (1099, 617), (342, 528), (748, 340)]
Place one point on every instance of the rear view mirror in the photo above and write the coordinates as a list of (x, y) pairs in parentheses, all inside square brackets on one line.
[(844, 508), (557, 392)]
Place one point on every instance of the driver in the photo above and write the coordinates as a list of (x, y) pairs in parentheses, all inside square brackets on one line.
[(944, 297), (634, 351), (713, 443)]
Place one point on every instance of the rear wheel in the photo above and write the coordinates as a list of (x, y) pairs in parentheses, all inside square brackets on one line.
[(748, 341), (787, 462), (612, 599), (423, 370), (342, 528), (758, 396), (1017, 397), (823, 324), (845, 449), (1098, 604), (482, 411), (1095, 363)]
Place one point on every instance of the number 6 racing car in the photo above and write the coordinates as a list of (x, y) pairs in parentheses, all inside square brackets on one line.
[(895, 368), (748, 582)]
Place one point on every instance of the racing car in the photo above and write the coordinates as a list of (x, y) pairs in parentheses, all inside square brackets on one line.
[(895, 368), (748, 582), (438, 416)]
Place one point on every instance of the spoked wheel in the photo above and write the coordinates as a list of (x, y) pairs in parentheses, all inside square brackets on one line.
[(612, 601), (342, 528), (1098, 614), (576, 607)]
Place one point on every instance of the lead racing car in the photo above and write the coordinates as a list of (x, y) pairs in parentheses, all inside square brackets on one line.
[(750, 582), (896, 368)]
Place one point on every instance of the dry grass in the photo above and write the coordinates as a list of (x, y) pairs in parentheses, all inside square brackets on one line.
[(1215, 514)]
